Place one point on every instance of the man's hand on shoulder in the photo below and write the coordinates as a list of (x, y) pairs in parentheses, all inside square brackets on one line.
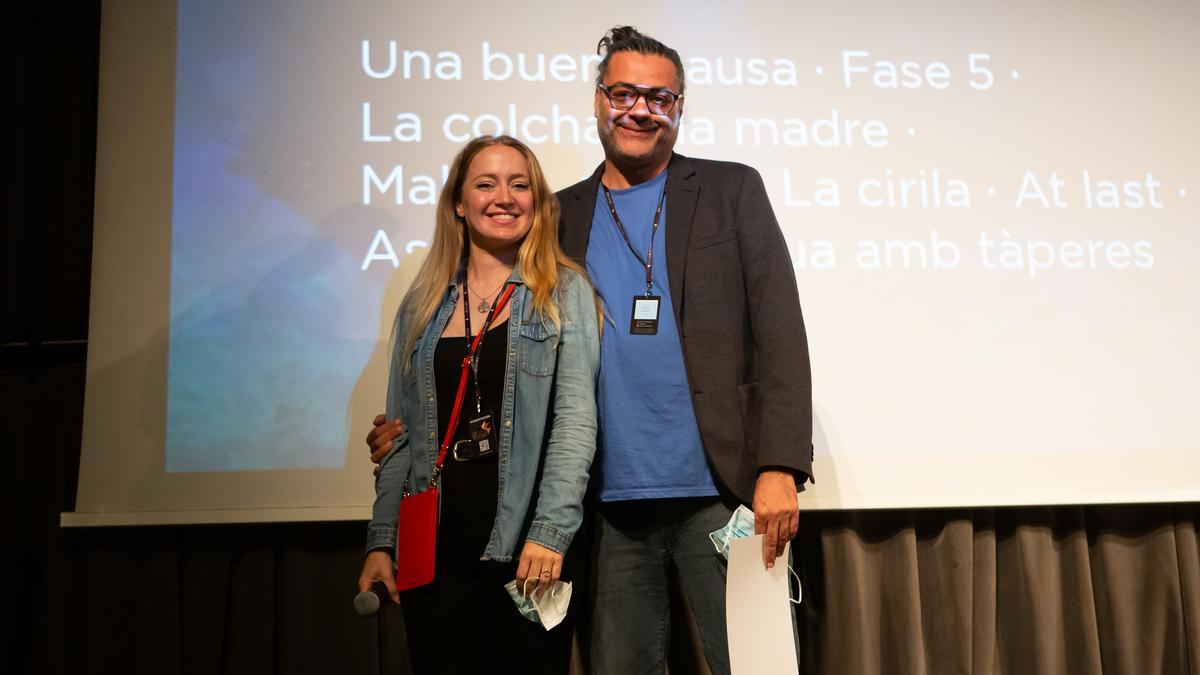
[(776, 513), (381, 438)]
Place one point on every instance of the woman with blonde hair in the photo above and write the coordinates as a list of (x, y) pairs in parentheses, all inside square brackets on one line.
[(493, 369)]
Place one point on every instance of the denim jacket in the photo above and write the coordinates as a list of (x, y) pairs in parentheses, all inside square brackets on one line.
[(550, 378)]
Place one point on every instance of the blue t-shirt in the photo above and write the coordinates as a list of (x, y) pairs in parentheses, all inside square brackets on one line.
[(649, 444)]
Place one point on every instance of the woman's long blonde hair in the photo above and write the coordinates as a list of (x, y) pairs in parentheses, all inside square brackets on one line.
[(540, 257)]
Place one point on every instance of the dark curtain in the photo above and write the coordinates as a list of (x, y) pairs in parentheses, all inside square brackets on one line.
[(1087, 589), (1094, 589)]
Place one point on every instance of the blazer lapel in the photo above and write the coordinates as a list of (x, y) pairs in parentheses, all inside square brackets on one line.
[(577, 213), (683, 189)]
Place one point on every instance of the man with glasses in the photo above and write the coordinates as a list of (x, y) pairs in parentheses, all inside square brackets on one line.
[(704, 393)]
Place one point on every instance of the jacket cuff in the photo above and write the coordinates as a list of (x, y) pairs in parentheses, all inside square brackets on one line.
[(382, 538), (550, 536), (802, 474)]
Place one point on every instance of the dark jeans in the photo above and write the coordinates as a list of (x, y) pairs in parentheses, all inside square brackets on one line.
[(635, 542)]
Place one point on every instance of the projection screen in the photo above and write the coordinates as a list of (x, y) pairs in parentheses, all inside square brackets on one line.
[(991, 208)]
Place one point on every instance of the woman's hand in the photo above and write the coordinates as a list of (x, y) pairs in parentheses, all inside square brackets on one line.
[(539, 563), (378, 567)]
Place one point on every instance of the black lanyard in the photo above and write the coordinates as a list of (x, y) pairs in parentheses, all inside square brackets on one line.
[(648, 263), (473, 354)]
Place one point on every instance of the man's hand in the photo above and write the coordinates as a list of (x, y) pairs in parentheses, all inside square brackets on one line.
[(776, 513), (378, 567), (382, 437), (539, 564)]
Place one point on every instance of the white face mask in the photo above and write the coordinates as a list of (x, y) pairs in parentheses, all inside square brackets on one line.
[(548, 608)]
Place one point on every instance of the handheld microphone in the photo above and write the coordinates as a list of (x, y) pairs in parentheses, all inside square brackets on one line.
[(367, 603)]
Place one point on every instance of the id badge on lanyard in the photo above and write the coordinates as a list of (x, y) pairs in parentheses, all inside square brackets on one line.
[(481, 438), (646, 308), (645, 315)]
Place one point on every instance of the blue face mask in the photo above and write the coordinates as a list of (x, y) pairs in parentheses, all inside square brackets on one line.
[(548, 608), (741, 524)]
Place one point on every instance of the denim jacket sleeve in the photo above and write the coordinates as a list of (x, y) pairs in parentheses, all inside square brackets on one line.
[(394, 469), (572, 442)]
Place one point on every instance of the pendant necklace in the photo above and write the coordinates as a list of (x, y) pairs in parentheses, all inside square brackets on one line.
[(485, 305)]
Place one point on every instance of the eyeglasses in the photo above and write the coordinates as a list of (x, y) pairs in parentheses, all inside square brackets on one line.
[(624, 96)]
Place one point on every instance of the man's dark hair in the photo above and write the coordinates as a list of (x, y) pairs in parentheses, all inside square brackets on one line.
[(629, 39)]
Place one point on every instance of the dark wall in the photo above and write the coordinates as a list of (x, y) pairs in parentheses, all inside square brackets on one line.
[(45, 264)]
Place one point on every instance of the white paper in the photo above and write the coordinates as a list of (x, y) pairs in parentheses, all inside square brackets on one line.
[(758, 612)]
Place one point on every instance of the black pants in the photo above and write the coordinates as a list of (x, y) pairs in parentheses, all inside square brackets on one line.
[(464, 622)]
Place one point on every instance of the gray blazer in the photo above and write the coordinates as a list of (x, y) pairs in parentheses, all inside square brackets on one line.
[(733, 289)]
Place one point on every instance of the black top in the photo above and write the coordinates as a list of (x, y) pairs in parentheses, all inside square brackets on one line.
[(468, 489)]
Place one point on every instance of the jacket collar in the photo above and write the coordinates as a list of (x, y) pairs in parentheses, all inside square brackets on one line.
[(680, 168), (513, 277)]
